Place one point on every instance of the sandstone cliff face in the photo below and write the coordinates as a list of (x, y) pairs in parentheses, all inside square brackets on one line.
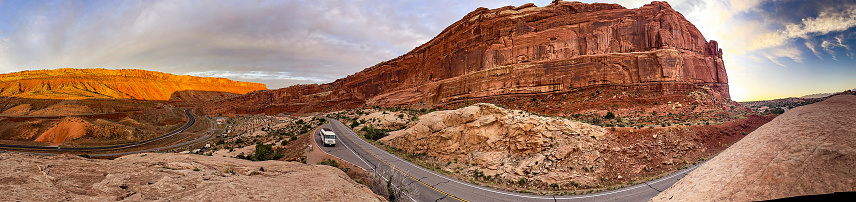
[(113, 84), (172, 177), (527, 50)]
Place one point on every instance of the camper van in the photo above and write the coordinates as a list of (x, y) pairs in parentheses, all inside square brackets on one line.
[(328, 137)]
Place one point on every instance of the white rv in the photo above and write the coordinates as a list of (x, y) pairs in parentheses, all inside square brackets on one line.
[(328, 137)]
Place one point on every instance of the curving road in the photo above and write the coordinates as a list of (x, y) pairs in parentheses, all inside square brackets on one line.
[(190, 121), (431, 186)]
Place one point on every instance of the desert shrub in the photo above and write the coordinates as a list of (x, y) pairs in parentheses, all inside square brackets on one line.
[(777, 111), (373, 133), (263, 152), (478, 174), (554, 186), (329, 162), (609, 115)]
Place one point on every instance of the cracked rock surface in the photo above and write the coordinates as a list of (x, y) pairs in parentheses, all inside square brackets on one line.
[(809, 150), (171, 177)]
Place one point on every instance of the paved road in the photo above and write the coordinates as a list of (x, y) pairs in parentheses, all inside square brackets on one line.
[(190, 121), (431, 186)]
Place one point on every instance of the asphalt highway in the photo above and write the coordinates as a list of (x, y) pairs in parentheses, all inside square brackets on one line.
[(190, 121), (427, 185)]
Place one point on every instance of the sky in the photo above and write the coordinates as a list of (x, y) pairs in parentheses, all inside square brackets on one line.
[(772, 48)]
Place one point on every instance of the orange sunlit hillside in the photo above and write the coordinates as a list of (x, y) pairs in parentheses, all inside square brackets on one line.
[(70, 84)]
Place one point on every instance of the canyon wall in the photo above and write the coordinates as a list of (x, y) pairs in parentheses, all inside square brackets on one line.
[(134, 84), (521, 51)]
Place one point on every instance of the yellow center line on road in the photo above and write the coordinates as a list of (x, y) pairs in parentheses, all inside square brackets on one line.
[(402, 172)]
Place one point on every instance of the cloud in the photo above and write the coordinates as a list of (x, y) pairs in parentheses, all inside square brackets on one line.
[(831, 19), (281, 78), (784, 52), (255, 75), (836, 42), (813, 47)]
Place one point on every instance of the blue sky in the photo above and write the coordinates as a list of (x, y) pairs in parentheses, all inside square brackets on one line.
[(773, 48)]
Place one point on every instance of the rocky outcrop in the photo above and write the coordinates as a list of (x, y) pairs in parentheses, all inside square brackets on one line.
[(172, 177), (116, 84), (519, 51), (505, 143), (808, 150)]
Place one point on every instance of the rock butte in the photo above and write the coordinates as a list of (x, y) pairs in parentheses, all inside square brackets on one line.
[(521, 51), (134, 84)]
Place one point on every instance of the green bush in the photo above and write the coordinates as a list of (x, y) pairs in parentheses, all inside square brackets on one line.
[(609, 115), (374, 133), (329, 162), (263, 152), (478, 174)]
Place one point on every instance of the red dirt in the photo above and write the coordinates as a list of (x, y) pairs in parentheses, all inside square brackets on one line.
[(647, 152)]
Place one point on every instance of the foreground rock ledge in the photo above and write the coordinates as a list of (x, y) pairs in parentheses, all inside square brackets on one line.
[(181, 177), (809, 150)]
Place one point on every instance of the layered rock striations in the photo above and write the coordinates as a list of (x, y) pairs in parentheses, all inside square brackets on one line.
[(518, 51), (134, 84)]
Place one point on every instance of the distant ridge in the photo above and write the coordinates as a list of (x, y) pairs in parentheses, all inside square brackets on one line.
[(67, 83)]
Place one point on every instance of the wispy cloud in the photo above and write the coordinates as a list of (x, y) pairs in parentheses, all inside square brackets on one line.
[(256, 75), (832, 19), (836, 42), (813, 47)]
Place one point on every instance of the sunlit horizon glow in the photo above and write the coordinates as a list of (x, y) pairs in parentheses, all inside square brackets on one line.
[(772, 48)]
